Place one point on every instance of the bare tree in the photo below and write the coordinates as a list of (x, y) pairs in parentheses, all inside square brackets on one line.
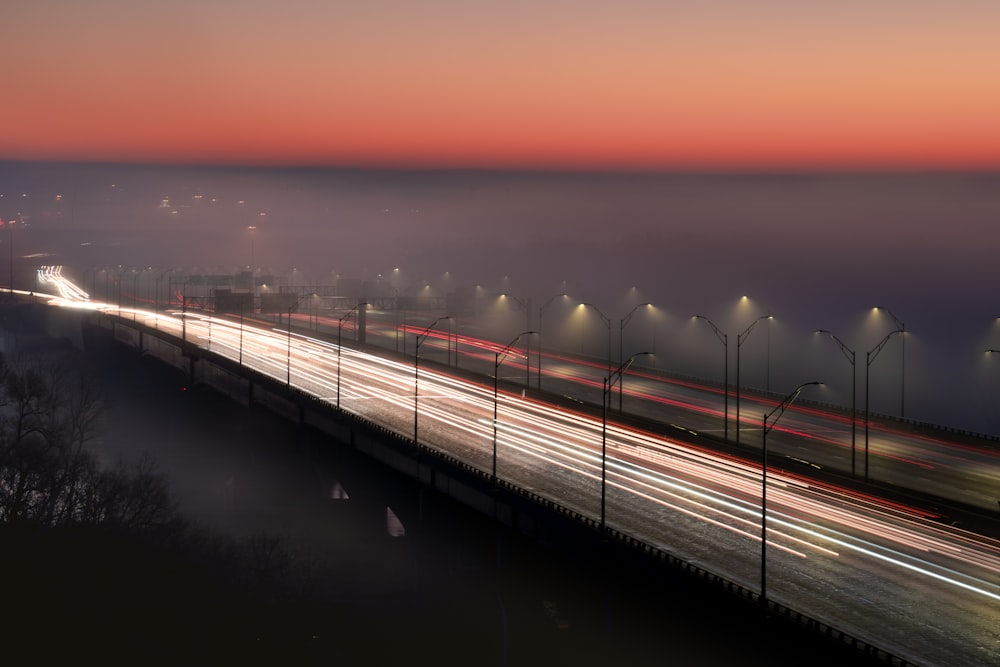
[(49, 414)]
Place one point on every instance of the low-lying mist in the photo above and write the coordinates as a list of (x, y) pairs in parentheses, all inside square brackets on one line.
[(815, 251)]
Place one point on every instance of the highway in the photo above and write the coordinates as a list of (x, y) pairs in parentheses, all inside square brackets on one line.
[(889, 574)]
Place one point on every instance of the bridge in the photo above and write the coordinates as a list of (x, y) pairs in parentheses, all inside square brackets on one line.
[(662, 484)]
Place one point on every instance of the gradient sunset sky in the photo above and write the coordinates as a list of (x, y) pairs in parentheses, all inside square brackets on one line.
[(546, 83)]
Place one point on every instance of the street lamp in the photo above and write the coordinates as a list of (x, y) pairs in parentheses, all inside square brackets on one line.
[(170, 291), (740, 339), (241, 332), (288, 379), (621, 335), (184, 313), (724, 339), (780, 409), (767, 364), (607, 323), (157, 296), (869, 358), (211, 314), (500, 356), (416, 369), (541, 311), (291, 307), (453, 334), (135, 286), (609, 382), (251, 229), (902, 361), (850, 356), (526, 305), (10, 246), (340, 327), (395, 314)]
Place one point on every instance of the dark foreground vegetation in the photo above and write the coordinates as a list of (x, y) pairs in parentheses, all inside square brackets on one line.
[(97, 562), (96, 557)]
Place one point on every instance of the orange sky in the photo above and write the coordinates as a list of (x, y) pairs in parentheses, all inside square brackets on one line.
[(552, 83)]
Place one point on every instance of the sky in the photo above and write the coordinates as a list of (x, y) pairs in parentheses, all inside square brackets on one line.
[(473, 83)]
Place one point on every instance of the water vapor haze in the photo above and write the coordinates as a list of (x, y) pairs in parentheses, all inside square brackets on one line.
[(815, 250)]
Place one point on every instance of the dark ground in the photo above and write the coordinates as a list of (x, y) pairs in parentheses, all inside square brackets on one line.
[(453, 591)]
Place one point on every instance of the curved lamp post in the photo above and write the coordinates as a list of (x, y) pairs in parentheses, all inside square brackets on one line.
[(902, 361), (250, 232), (10, 246), (607, 323), (170, 289), (609, 382), (288, 367), (541, 311), (340, 327), (850, 356), (416, 369), (135, 296), (524, 304), (453, 334), (740, 339), (294, 306), (724, 339), (241, 333), (157, 297), (621, 335), (768, 425), (500, 356), (870, 356)]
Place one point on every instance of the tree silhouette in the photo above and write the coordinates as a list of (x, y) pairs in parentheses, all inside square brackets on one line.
[(49, 413)]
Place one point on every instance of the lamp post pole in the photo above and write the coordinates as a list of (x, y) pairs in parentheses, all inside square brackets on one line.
[(184, 303), (209, 307), (118, 289), (340, 328), (621, 335), (251, 229), (780, 409), (135, 296), (157, 297), (500, 356), (609, 382), (902, 362), (293, 306), (870, 356), (10, 247), (541, 311), (724, 339), (395, 312), (607, 323), (740, 339), (288, 380), (453, 335), (241, 332), (416, 370), (526, 305), (851, 357)]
